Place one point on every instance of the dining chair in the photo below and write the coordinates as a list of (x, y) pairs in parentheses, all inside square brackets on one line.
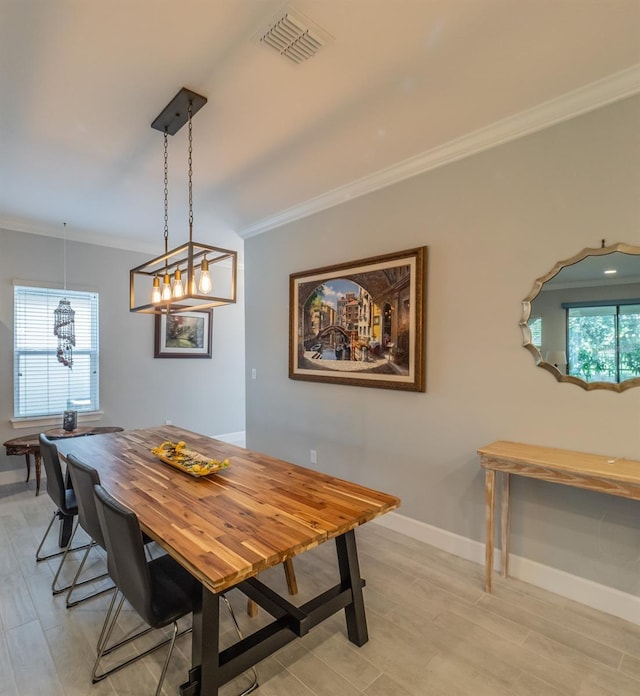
[(64, 499), (161, 591), (83, 479)]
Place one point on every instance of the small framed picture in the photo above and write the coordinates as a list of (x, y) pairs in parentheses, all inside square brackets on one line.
[(184, 335)]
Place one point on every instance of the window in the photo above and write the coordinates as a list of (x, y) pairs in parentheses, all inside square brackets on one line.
[(603, 341), (535, 326), (42, 385)]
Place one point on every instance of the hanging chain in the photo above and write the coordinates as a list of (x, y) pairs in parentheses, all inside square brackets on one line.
[(166, 194), (64, 254), (190, 173)]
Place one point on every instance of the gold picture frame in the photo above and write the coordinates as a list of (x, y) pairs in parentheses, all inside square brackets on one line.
[(361, 323)]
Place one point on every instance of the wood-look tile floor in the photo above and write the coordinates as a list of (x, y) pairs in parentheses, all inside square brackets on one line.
[(432, 629)]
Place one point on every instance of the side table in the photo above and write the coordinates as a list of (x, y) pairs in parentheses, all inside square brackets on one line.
[(30, 445), (27, 445)]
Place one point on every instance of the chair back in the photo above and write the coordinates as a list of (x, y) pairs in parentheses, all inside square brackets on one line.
[(84, 478), (125, 553), (55, 482)]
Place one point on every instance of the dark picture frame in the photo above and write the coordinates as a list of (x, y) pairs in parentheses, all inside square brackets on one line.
[(184, 335), (361, 323)]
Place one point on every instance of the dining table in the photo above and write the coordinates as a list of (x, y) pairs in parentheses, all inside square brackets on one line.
[(227, 527)]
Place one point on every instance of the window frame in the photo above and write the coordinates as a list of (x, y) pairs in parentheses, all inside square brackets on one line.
[(24, 414), (615, 305)]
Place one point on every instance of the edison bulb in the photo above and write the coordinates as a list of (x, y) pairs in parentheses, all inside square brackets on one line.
[(156, 295), (166, 287), (205, 278), (205, 282), (178, 287)]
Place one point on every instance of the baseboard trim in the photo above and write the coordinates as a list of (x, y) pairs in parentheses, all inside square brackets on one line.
[(238, 438), (608, 599)]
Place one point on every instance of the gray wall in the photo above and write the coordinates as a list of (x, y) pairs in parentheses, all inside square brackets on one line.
[(493, 223), (136, 390)]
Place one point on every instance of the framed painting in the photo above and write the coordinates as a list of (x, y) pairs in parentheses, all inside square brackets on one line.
[(361, 323), (184, 335)]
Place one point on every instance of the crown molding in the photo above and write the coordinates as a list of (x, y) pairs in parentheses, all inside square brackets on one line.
[(580, 101), (74, 234)]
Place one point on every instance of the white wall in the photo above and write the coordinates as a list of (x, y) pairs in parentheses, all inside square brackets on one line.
[(493, 223), (136, 390)]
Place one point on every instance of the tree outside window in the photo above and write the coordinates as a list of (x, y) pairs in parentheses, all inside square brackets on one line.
[(603, 342)]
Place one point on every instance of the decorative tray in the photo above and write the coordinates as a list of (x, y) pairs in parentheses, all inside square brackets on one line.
[(178, 455)]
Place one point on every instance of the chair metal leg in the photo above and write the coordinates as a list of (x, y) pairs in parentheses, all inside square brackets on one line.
[(254, 685), (58, 590), (66, 588), (56, 514), (174, 633), (75, 583), (107, 629), (104, 639), (125, 641), (105, 625)]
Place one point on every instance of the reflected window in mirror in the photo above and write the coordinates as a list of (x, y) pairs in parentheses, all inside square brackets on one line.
[(603, 341), (581, 321), (535, 326)]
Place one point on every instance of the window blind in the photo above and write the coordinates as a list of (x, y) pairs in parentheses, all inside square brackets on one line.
[(42, 385)]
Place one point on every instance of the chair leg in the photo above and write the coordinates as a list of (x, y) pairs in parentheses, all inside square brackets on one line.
[(58, 590), (39, 558), (107, 629), (105, 634), (75, 583), (167, 658), (254, 685), (46, 534), (111, 619), (105, 625)]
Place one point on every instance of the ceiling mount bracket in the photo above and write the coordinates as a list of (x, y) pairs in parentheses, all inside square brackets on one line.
[(176, 113)]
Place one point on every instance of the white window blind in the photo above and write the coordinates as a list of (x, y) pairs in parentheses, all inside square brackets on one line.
[(42, 385)]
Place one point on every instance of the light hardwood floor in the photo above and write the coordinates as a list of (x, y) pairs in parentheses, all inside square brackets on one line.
[(433, 630)]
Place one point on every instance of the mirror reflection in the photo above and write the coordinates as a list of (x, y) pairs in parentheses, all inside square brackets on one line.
[(582, 319)]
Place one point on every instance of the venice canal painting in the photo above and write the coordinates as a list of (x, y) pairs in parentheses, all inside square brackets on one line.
[(360, 323)]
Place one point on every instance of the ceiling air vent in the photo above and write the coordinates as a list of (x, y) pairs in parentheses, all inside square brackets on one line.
[(295, 37)]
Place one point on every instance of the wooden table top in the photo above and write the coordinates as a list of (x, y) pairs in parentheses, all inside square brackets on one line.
[(228, 526), (595, 465)]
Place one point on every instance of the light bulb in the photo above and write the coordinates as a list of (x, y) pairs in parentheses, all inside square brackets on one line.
[(178, 287), (166, 287), (205, 278), (156, 296)]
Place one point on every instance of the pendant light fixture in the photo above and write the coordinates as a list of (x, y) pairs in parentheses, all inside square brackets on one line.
[(64, 327), (186, 271)]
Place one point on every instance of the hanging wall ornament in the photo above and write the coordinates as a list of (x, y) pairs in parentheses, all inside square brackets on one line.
[(64, 328)]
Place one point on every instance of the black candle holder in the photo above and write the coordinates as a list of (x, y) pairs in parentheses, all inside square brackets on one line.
[(70, 420)]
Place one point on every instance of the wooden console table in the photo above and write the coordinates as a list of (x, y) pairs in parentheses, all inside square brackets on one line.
[(594, 472)]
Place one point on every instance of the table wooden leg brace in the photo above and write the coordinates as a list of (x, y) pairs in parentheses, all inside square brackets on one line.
[(214, 668)]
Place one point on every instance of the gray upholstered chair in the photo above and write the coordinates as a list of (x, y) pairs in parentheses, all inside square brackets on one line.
[(64, 499), (161, 590)]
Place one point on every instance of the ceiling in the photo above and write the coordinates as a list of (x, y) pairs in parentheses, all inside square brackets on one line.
[(401, 86)]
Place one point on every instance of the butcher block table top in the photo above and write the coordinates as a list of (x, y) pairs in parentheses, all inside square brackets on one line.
[(228, 526)]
